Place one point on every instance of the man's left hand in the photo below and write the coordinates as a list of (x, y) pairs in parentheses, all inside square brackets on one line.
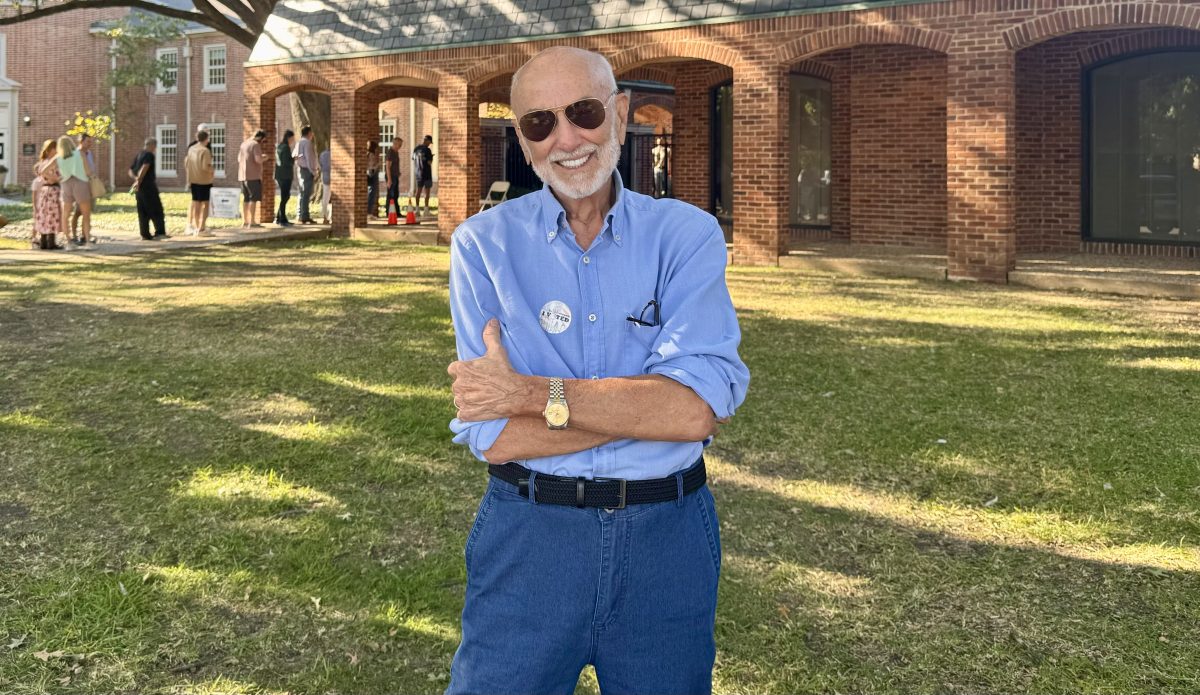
[(487, 388)]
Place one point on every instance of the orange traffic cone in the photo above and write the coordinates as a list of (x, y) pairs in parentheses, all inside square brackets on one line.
[(411, 216), (392, 217)]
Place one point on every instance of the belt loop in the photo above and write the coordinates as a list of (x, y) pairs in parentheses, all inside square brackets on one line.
[(533, 487), (679, 489)]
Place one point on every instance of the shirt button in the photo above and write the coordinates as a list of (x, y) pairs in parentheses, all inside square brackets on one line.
[(586, 260), (591, 317), (552, 234), (617, 237)]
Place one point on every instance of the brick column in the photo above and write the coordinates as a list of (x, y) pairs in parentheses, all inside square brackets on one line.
[(691, 138), (353, 122), (459, 151), (980, 155), (260, 115), (760, 163)]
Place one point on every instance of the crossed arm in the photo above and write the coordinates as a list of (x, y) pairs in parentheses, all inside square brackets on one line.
[(602, 410)]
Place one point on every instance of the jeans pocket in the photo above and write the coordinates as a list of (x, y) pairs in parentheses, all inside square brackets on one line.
[(712, 529), (481, 515)]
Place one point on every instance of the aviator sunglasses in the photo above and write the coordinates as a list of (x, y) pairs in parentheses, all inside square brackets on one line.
[(585, 113)]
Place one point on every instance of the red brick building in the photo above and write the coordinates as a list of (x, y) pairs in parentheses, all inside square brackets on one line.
[(981, 129), (56, 84)]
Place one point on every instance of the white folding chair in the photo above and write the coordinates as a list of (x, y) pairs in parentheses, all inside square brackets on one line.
[(497, 194)]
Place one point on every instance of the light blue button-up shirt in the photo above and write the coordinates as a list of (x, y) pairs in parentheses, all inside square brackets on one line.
[(563, 309)]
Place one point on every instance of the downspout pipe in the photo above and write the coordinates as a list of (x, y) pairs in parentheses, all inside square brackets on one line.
[(187, 87)]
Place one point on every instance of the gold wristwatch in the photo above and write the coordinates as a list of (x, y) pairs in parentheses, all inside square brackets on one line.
[(557, 413)]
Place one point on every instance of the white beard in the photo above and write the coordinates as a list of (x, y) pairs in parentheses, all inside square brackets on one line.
[(577, 185)]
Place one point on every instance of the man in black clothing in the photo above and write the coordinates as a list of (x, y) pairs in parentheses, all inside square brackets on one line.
[(422, 158), (391, 172), (145, 191)]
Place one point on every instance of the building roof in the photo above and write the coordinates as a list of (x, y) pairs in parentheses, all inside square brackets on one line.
[(314, 29)]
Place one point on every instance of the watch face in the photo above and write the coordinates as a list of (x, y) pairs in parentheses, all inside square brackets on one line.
[(557, 414)]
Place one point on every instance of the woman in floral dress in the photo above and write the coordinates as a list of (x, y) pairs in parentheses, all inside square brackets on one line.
[(47, 207)]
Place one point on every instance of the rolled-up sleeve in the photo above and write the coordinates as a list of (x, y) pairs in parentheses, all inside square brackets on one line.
[(697, 345), (472, 303)]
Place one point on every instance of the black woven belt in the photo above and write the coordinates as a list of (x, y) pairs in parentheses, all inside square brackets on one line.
[(609, 493)]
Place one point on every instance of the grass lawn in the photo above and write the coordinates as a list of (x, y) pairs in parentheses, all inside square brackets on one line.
[(229, 471)]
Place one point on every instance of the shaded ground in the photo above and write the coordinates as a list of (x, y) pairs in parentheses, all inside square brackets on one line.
[(229, 471)]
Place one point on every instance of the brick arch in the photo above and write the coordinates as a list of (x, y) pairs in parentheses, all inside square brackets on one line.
[(1137, 42), (627, 60), (813, 68), (1092, 17), (662, 101), (490, 69), (649, 73), (718, 75), (296, 82), (826, 40), (372, 78)]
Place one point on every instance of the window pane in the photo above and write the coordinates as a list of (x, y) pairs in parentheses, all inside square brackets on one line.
[(1145, 148), (216, 66), (809, 150), (167, 149), (216, 137), (722, 164)]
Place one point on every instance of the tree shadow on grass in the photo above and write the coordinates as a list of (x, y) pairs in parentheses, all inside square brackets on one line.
[(818, 598), (959, 415)]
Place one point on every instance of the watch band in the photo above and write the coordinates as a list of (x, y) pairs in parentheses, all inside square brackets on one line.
[(557, 392)]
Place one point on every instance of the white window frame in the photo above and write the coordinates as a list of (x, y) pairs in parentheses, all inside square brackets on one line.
[(160, 156), (219, 173), (210, 86), (159, 88), (3, 55)]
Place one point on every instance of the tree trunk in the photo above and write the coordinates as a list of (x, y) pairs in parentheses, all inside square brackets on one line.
[(313, 109)]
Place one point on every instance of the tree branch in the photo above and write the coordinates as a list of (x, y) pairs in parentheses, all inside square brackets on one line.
[(209, 16)]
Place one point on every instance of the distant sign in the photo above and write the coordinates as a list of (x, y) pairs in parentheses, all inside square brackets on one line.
[(29, 149), (224, 203)]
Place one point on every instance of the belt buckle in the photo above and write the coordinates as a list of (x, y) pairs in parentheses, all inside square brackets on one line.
[(622, 481)]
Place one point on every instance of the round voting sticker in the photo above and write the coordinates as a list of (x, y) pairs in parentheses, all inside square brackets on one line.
[(555, 317)]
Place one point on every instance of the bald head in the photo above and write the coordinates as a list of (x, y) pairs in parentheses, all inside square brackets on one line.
[(560, 66)]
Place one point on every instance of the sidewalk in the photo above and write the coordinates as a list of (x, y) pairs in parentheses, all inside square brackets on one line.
[(117, 244)]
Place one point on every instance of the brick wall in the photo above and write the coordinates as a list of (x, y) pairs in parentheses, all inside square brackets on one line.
[(54, 89), (897, 146), (145, 109)]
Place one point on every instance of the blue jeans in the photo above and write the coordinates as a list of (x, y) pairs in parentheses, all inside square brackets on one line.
[(551, 589), (306, 189)]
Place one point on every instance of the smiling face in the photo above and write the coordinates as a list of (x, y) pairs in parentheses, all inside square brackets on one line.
[(573, 161)]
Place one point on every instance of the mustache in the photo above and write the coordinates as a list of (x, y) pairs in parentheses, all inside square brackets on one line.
[(581, 151)]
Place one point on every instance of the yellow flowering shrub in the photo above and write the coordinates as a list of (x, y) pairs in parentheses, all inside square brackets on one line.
[(98, 126)]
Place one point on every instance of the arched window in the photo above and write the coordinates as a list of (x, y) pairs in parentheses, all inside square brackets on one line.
[(1142, 178), (809, 151)]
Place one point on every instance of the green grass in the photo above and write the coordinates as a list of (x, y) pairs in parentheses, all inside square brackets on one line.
[(228, 470)]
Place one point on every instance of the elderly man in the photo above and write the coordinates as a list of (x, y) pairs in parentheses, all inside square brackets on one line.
[(597, 352)]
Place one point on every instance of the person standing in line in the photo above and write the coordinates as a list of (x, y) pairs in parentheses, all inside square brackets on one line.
[(76, 191), (285, 172), (199, 167), (89, 162), (326, 175), (250, 169), (306, 158), (145, 191), (660, 168), (372, 180), (391, 173), (47, 198), (422, 158)]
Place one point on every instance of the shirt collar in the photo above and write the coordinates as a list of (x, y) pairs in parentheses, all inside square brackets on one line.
[(554, 217)]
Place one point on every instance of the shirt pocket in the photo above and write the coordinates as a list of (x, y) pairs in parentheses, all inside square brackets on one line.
[(640, 342)]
